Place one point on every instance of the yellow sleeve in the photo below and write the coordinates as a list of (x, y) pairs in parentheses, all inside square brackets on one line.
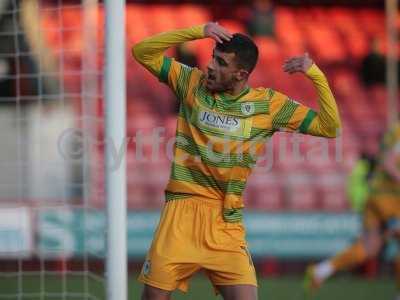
[(290, 115), (327, 121), (150, 54)]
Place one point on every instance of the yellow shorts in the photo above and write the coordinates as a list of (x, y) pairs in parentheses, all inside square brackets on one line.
[(380, 209), (191, 236)]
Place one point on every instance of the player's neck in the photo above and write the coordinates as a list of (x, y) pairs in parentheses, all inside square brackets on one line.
[(236, 90)]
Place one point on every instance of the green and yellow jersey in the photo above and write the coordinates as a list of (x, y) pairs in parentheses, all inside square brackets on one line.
[(382, 181), (219, 136)]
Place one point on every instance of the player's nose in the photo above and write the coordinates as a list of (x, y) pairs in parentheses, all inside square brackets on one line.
[(210, 66)]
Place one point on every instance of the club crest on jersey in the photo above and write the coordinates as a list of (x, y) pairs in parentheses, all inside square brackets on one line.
[(146, 267), (247, 108)]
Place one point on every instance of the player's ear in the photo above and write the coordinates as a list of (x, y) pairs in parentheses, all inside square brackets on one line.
[(242, 74)]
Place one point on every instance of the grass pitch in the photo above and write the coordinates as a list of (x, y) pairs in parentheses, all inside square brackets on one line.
[(73, 287)]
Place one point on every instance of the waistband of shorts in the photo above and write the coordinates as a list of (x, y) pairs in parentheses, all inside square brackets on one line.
[(216, 203)]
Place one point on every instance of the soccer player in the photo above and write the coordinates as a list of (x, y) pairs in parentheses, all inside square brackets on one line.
[(222, 125), (381, 217)]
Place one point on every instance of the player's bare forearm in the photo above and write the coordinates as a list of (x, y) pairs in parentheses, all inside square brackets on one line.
[(150, 51), (327, 122)]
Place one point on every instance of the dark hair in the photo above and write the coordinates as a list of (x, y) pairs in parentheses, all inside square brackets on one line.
[(246, 51)]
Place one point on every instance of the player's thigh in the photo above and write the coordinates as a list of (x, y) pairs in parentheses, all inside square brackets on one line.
[(372, 216), (153, 293), (373, 241), (238, 292), (228, 260), (380, 209), (232, 267), (372, 227)]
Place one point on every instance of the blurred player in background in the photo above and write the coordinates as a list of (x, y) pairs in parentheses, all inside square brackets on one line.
[(381, 217), (201, 223)]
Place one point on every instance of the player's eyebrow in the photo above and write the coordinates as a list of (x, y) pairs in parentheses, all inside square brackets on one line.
[(220, 60)]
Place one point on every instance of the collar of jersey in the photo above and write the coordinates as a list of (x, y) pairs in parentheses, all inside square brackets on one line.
[(234, 98)]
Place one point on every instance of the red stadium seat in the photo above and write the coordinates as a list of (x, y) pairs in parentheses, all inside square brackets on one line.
[(135, 14), (160, 18), (190, 15), (300, 192), (288, 33), (378, 95), (232, 25), (354, 37), (269, 51), (325, 42), (331, 189), (371, 20), (264, 192), (286, 157)]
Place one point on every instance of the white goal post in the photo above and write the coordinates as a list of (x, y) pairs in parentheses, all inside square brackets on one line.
[(115, 133)]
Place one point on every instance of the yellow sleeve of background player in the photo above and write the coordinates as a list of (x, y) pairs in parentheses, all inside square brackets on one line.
[(150, 54), (391, 138), (290, 115)]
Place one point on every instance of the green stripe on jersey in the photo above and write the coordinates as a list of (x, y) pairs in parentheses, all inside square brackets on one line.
[(205, 98), (181, 173), (166, 65), (213, 158), (234, 98), (260, 107), (233, 215), (175, 196), (183, 82), (261, 133), (229, 108), (283, 116), (270, 94), (307, 121)]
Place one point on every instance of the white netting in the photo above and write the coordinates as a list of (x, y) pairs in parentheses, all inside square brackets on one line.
[(51, 237)]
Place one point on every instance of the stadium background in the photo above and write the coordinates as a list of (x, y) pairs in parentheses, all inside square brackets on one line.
[(52, 141)]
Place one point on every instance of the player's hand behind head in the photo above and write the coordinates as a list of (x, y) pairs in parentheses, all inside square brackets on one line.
[(298, 64), (218, 33)]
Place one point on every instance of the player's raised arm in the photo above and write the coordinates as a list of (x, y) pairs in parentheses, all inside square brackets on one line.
[(326, 122), (150, 52)]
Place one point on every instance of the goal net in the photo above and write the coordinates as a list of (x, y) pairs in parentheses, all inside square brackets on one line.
[(51, 228)]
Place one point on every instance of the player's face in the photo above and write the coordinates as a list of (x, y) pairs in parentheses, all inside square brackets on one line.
[(222, 72)]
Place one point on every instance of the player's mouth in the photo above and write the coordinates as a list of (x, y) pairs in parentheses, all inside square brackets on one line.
[(210, 78)]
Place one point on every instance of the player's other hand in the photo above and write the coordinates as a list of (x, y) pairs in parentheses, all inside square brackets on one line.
[(298, 64), (217, 32)]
